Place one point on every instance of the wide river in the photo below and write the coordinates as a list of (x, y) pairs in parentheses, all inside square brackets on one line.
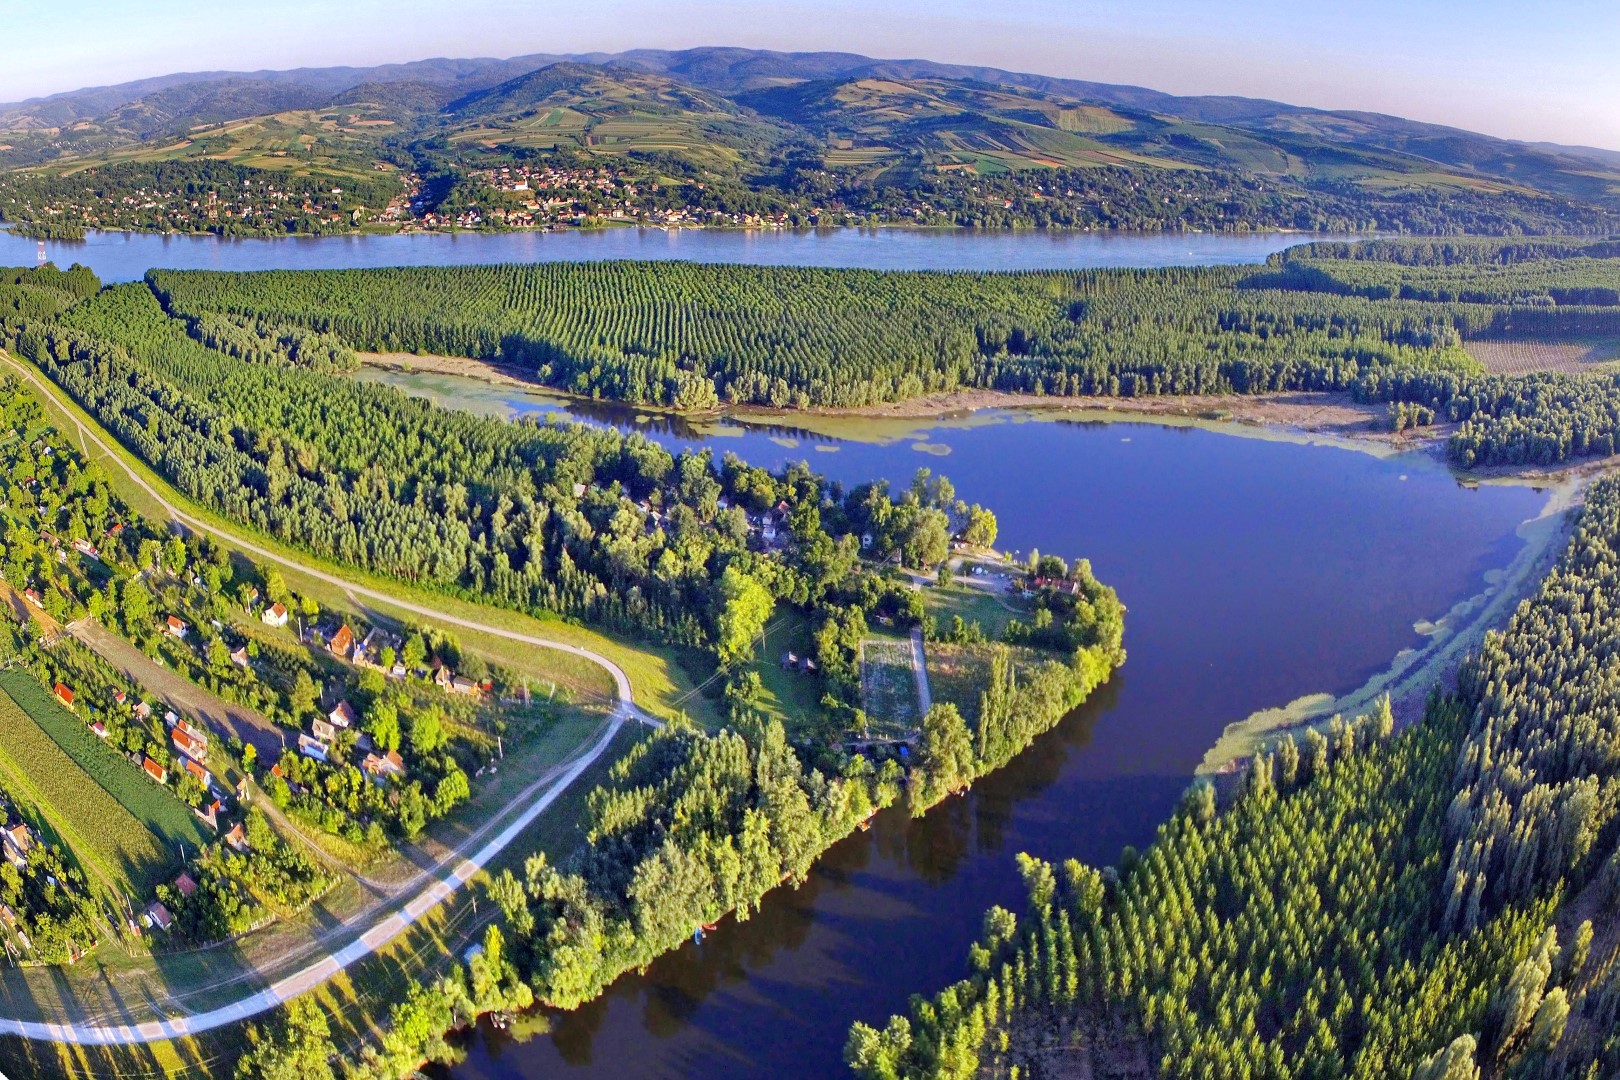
[(118, 256), (1255, 570)]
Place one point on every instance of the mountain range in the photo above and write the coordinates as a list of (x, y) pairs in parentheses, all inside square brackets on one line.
[(744, 109)]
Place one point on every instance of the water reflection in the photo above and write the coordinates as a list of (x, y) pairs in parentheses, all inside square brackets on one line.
[(1254, 571)]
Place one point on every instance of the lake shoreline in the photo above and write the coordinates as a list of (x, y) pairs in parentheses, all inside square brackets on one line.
[(1334, 418), (1414, 673), (1336, 415)]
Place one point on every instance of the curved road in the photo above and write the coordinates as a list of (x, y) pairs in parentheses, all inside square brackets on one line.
[(620, 679), (395, 922)]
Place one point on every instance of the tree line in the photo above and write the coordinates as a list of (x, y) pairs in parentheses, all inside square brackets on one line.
[(1369, 904), (1385, 323)]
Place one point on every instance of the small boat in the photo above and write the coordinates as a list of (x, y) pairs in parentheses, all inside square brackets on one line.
[(500, 1021), (708, 927)]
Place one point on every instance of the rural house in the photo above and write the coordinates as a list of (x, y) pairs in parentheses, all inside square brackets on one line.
[(342, 642), (17, 841), (342, 715)]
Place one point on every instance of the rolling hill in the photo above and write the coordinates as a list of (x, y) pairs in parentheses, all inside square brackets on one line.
[(755, 117), (610, 110)]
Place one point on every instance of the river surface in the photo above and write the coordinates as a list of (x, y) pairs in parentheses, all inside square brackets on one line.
[(116, 256), (1255, 571)]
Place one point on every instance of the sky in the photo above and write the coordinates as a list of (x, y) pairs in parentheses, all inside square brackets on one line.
[(1525, 69)]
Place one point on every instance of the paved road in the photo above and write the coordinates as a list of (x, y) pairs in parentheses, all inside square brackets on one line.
[(396, 921), (314, 974)]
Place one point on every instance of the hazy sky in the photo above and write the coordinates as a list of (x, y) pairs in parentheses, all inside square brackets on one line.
[(1530, 69)]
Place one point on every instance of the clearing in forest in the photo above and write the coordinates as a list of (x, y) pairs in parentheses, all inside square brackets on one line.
[(1518, 356)]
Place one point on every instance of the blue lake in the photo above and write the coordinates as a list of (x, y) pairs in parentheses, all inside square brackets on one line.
[(1255, 571)]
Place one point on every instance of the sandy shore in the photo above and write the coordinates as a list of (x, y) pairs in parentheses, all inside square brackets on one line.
[(499, 374), (1327, 414)]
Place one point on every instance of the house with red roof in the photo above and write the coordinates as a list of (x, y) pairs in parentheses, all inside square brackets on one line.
[(191, 747), (389, 764), (342, 642)]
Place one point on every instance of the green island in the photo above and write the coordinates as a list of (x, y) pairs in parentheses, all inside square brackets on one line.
[(286, 647)]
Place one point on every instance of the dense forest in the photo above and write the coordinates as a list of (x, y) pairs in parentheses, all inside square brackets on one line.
[(581, 522), (1385, 322), (41, 292), (693, 335), (1434, 903)]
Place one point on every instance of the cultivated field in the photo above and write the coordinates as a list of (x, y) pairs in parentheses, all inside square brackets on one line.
[(888, 686), (1519, 357), (122, 827), (959, 674)]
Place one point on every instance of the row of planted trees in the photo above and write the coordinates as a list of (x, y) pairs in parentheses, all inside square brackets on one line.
[(1417, 905)]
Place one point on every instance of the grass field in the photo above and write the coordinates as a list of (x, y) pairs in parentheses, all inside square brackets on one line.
[(888, 686), (1520, 356), (121, 827), (992, 611), (790, 696)]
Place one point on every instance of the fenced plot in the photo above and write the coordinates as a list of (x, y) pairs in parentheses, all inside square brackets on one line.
[(888, 684)]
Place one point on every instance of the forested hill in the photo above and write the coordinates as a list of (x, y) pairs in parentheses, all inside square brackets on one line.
[(1389, 322), (1438, 904), (732, 137)]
